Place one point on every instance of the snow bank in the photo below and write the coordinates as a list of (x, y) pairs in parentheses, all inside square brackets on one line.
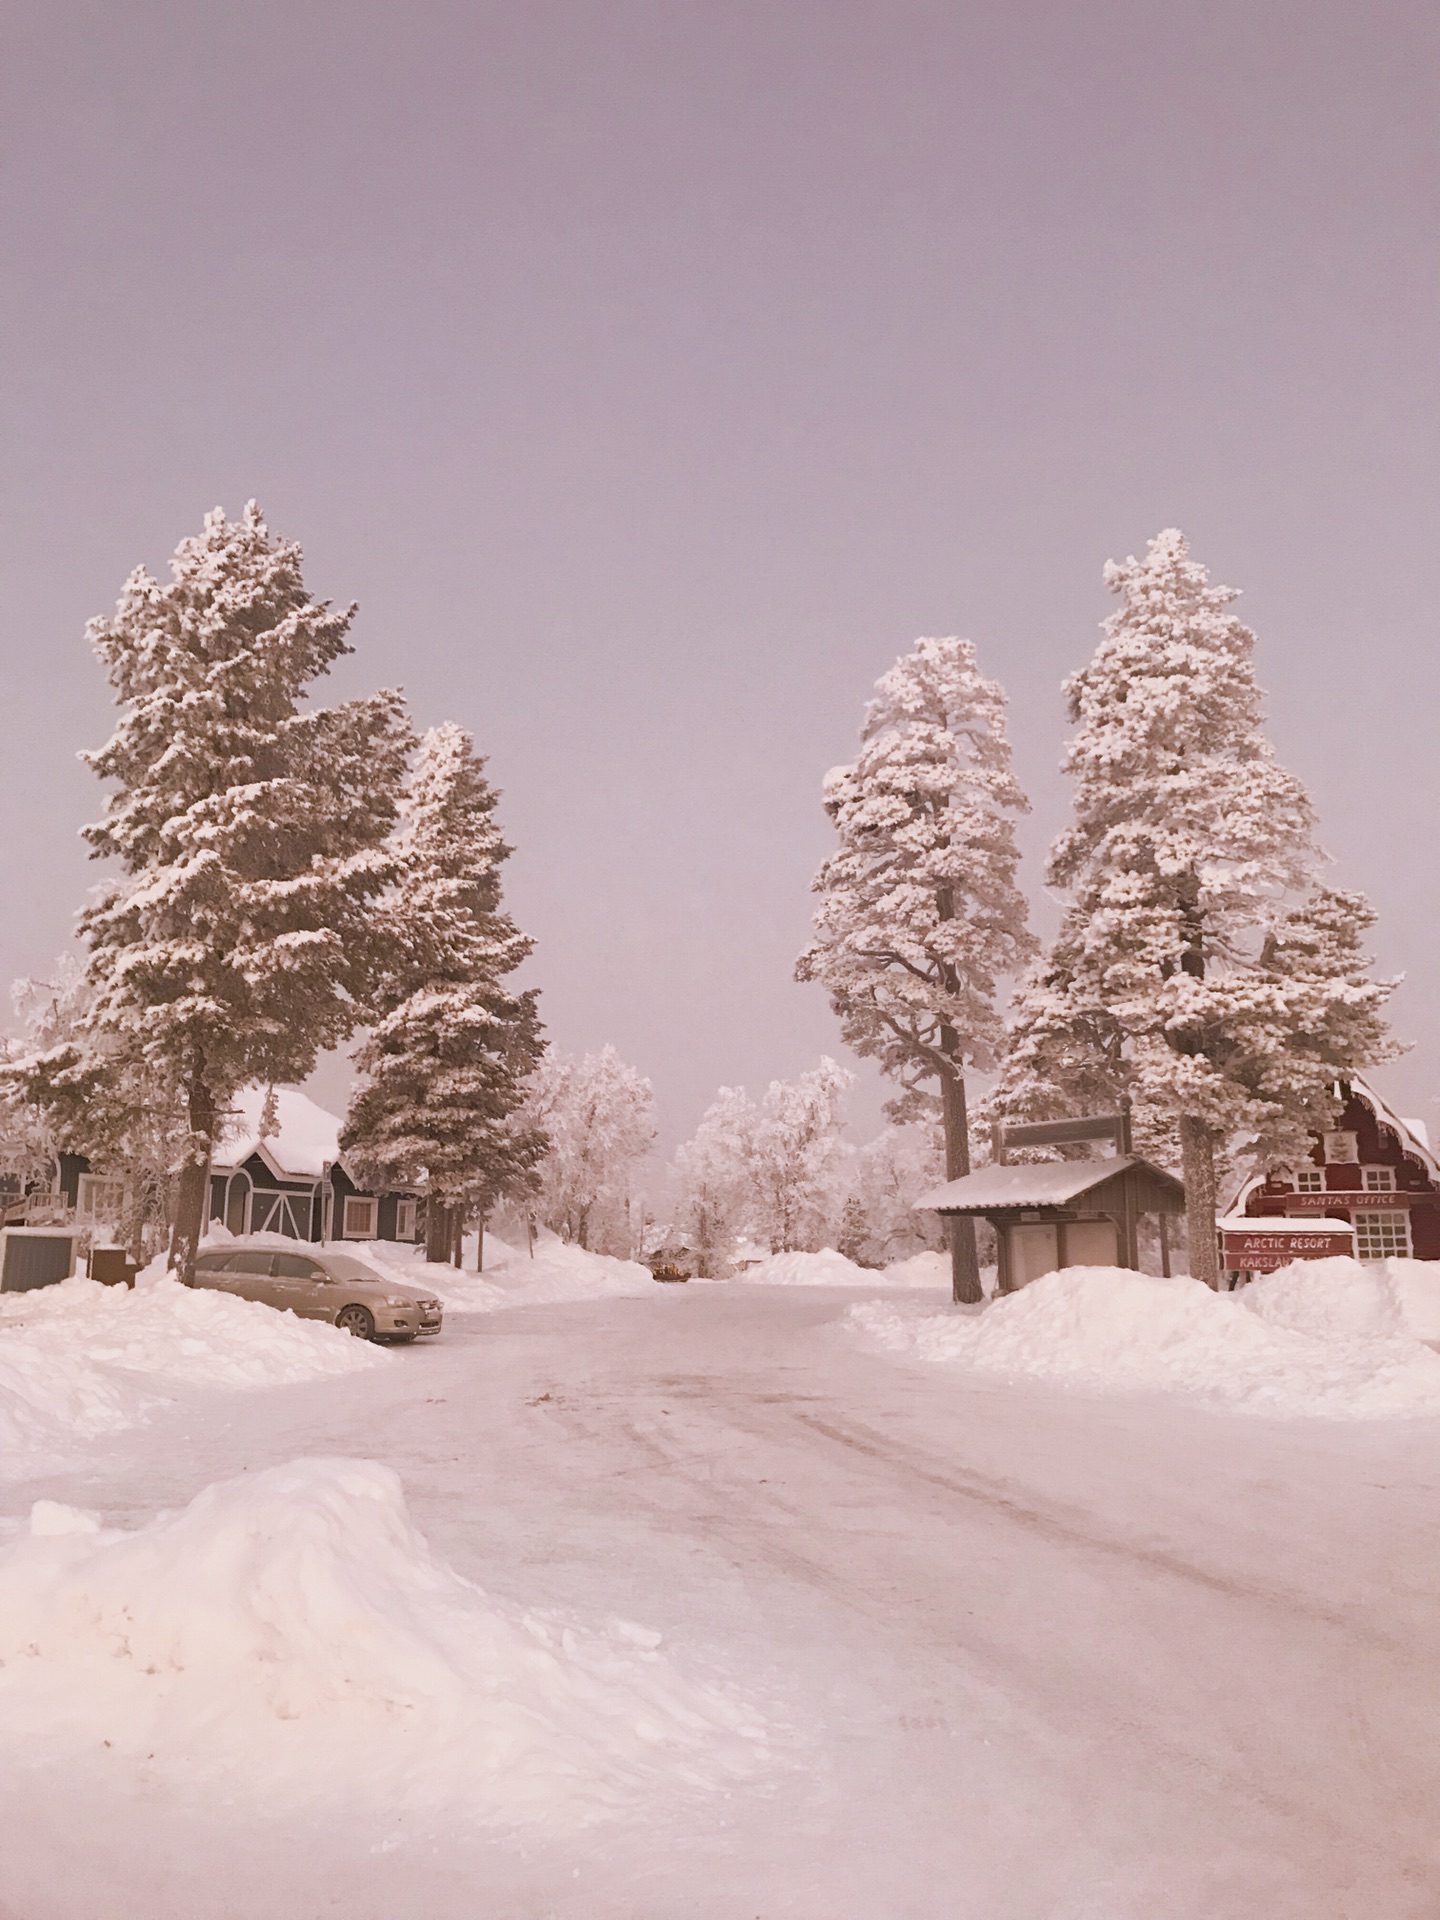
[(290, 1635), (558, 1273), (79, 1360), (827, 1268), (920, 1270), (1310, 1339)]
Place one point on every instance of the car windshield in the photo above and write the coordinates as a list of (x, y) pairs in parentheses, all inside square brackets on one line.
[(345, 1267)]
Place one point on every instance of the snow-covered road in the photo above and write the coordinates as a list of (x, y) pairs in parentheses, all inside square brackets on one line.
[(1032, 1654)]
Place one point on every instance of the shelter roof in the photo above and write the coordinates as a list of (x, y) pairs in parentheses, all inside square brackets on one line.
[(1051, 1183)]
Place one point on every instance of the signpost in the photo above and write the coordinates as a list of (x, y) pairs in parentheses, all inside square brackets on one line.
[(1260, 1246)]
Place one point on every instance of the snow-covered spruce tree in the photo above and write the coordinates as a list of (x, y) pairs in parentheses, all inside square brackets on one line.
[(1200, 965), (251, 832), (598, 1114), (919, 914), (443, 1068)]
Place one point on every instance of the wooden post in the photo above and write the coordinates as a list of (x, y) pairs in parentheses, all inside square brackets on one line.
[(1165, 1245)]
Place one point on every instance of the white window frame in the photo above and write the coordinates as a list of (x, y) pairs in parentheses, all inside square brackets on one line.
[(99, 1200), (405, 1219), (359, 1207), (1377, 1179), (1380, 1236), (1342, 1149), (1309, 1179)]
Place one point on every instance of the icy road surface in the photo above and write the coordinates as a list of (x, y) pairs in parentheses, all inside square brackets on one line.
[(1038, 1655)]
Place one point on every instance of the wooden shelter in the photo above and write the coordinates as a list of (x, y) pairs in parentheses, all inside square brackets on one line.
[(1064, 1213)]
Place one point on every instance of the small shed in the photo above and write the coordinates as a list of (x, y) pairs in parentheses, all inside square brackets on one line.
[(1064, 1213)]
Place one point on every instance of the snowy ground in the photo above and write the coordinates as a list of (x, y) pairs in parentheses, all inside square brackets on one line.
[(933, 1643)]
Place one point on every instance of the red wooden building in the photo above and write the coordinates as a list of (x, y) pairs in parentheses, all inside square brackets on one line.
[(1373, 1169)]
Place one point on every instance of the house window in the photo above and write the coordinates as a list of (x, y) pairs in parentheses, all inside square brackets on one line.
[(359, 1218), (1378, 1179), (1379, 1235), (1309, 1180), (1341, 1149), (99, 1201), (404, 1219)]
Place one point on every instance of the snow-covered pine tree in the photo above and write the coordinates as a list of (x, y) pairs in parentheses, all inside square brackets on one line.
[(598, 1114), (251, 832), (1200, 964), (443, 1068), (920, 916)]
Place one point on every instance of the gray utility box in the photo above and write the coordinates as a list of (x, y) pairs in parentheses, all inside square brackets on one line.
[(35, 1257)]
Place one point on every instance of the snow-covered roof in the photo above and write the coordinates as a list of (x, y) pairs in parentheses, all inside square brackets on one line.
[(306, 1141), (1050, 1184)]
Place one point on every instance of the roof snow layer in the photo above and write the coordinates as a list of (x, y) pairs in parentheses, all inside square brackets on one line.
[(1049, 1184), (307, 1142)]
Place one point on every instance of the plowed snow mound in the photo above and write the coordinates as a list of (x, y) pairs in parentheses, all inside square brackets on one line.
[(1296, 1343), (557, 1273), (827, 1268), (289, 1635), (78, 1360)]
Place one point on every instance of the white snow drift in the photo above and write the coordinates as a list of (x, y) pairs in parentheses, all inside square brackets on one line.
[(79, 1360), (827, 1268), (558, 1272), (290, 1636), (1326, 1337)]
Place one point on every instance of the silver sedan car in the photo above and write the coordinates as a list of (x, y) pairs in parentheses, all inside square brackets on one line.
[(321, 1285)]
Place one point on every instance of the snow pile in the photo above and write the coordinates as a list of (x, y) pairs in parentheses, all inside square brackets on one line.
[(1297, 1342), (291, 1635), (1417, 1282), (78, 1359), (559, 1272), (920, 1270), (827, 1268)]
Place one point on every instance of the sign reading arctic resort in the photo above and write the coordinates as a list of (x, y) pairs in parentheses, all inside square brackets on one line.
[(1260, 1246)]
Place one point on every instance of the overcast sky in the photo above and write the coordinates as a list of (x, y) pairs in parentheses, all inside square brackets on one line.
[(654, 374)]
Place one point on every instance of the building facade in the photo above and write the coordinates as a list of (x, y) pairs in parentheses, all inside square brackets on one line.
[(1372, 1169), (290, 1177)]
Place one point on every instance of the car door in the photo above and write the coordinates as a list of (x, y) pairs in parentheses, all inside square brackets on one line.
[(300, 1284), (250, 1274)]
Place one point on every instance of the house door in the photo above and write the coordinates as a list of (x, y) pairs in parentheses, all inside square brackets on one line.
[(287, 1213), (237, 1200)]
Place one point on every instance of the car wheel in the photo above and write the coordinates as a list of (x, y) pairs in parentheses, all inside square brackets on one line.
[(357, 1320)]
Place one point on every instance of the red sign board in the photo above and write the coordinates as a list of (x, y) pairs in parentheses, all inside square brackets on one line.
[(1263, 1248)]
